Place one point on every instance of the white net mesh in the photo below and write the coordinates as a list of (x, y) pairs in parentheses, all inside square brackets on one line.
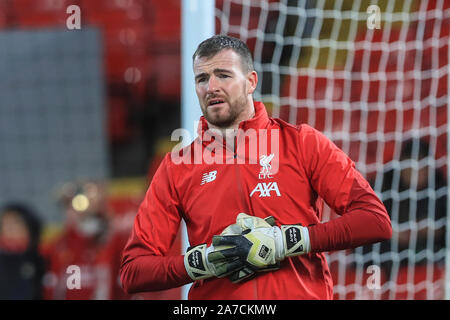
[(381, 95)]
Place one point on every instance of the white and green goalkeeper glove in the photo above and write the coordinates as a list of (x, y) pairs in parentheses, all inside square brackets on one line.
[(245, 222), (262, 246), (199, 267)]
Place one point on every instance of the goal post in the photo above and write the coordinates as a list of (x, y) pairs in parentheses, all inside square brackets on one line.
[(375, 81), (197, 24), (447, 254)]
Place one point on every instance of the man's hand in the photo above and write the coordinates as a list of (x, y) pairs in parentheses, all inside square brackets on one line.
[(262, 246), (257, 247), (199, 267), (251, 244), (245, 222)]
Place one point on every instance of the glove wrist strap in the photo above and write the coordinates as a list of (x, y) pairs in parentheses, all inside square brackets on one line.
[(196, 264), (295, 240)]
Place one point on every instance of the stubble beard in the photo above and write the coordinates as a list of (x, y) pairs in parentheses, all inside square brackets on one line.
[(227, 120)]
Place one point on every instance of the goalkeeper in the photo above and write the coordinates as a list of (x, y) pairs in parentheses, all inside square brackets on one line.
[(254, 226)]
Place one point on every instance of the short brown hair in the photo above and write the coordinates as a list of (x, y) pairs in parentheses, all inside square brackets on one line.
[(212, 46)]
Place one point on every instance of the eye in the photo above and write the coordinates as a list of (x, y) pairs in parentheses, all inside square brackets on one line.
[(201, 79), (223, 76)]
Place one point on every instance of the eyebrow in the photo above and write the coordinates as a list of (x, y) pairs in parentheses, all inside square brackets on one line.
[(217, 70), (222, 70)]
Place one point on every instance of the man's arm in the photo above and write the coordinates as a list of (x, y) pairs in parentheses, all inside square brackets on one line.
[(141, 271), (363, 222), (333, 176), (145, 266)]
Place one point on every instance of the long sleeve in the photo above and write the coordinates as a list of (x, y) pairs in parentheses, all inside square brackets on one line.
[(145, 265), (334, 177), (149, 272)]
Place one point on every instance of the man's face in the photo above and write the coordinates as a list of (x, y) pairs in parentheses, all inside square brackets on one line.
[(223, 88)]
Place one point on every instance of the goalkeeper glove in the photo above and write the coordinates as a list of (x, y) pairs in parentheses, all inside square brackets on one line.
[(199, 267), (262, 246), (196, 259), (245, 222)]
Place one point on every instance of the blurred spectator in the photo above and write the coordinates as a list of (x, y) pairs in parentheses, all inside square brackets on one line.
[(21, 265), (88, 242)]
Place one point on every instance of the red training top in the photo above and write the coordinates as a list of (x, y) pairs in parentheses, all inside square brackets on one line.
[(288, 179)]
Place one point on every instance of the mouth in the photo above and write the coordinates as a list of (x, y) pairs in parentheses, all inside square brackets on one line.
[(215, 102)]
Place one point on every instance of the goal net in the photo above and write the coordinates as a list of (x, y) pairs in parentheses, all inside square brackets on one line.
[(374, 80)]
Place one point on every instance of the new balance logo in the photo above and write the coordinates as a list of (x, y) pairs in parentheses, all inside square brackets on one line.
[(208, 177), (265, 188)]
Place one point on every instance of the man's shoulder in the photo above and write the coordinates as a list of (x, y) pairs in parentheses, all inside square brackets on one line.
[(304, 134), (182, 152), (301, 128), (181, 160)]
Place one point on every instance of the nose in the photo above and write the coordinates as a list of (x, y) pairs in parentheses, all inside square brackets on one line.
[(212, 85)]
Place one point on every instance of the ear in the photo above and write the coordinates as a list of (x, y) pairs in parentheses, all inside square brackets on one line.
[(252, 81)]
